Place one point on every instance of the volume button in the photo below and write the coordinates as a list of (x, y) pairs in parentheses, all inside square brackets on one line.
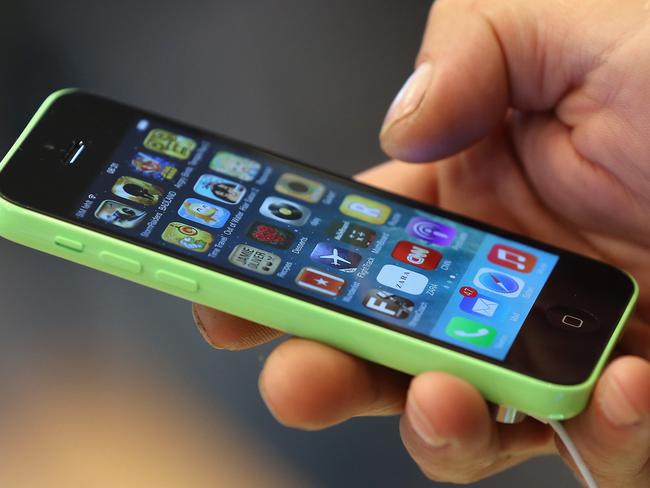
[(120, 262), (69, 244)]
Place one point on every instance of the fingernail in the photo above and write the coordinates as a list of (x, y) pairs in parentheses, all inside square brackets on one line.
[(197, 311), (409, 97), (617, 407), (423, 427)]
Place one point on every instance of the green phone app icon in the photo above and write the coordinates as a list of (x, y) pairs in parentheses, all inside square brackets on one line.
[(467, 330)]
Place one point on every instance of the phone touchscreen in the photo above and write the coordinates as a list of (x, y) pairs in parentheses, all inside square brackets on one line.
[(257, 216)]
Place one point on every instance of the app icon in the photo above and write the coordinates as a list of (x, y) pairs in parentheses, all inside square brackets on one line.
[(431, 231), (480, 305), (168, 143), (230, 164), (365, 209), (298, 187), (392, 305), (254, 259), (419, 256), (187, 237), (349, 233), (137, 190), (220, 189), (497, 282), (204, 213), (512, 258), (336, 257), (402, 279), (285, 211), (119, 214), (466, 330), (153, 167), (271, 235), (319, 281)]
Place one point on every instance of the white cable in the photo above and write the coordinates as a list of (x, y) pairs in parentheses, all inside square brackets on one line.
[(573, 451)]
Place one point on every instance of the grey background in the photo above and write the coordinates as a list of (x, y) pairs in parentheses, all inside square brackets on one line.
[(304, 78)]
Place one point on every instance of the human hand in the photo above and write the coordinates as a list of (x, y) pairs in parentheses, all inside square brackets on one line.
[(535, 102)]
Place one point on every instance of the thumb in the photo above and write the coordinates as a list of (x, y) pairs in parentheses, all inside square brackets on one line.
[(477, 58), (613, 434)]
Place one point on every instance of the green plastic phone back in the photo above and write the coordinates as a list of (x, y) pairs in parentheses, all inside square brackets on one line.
[(272, 308)]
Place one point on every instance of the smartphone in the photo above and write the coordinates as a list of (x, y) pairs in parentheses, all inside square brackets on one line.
[(260, 236)]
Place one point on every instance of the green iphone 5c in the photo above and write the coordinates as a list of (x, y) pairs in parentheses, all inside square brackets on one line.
[(257, 235)]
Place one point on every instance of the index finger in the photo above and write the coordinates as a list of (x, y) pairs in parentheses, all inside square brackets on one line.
[(225, 331), (477, 58)]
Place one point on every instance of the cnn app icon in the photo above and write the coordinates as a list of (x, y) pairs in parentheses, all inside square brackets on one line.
[(416, 255)]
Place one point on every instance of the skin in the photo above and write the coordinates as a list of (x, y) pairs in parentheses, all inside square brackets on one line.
[(542, 103)]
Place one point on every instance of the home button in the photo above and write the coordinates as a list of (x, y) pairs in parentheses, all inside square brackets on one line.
[(572, 319)]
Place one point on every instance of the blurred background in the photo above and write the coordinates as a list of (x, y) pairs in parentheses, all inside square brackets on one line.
[(104, 383)]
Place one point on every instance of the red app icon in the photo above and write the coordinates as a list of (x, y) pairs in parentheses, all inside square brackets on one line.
[(512, 258), (319, 281), (416, 255)]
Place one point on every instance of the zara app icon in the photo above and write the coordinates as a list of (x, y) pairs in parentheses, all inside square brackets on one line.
[(402, 279)]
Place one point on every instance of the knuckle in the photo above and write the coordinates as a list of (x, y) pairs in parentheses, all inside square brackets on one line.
[(443, 10)]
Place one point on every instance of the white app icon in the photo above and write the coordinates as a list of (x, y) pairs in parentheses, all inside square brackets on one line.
[(498, 282), (285, 211), (402, 279), (485, 307)]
